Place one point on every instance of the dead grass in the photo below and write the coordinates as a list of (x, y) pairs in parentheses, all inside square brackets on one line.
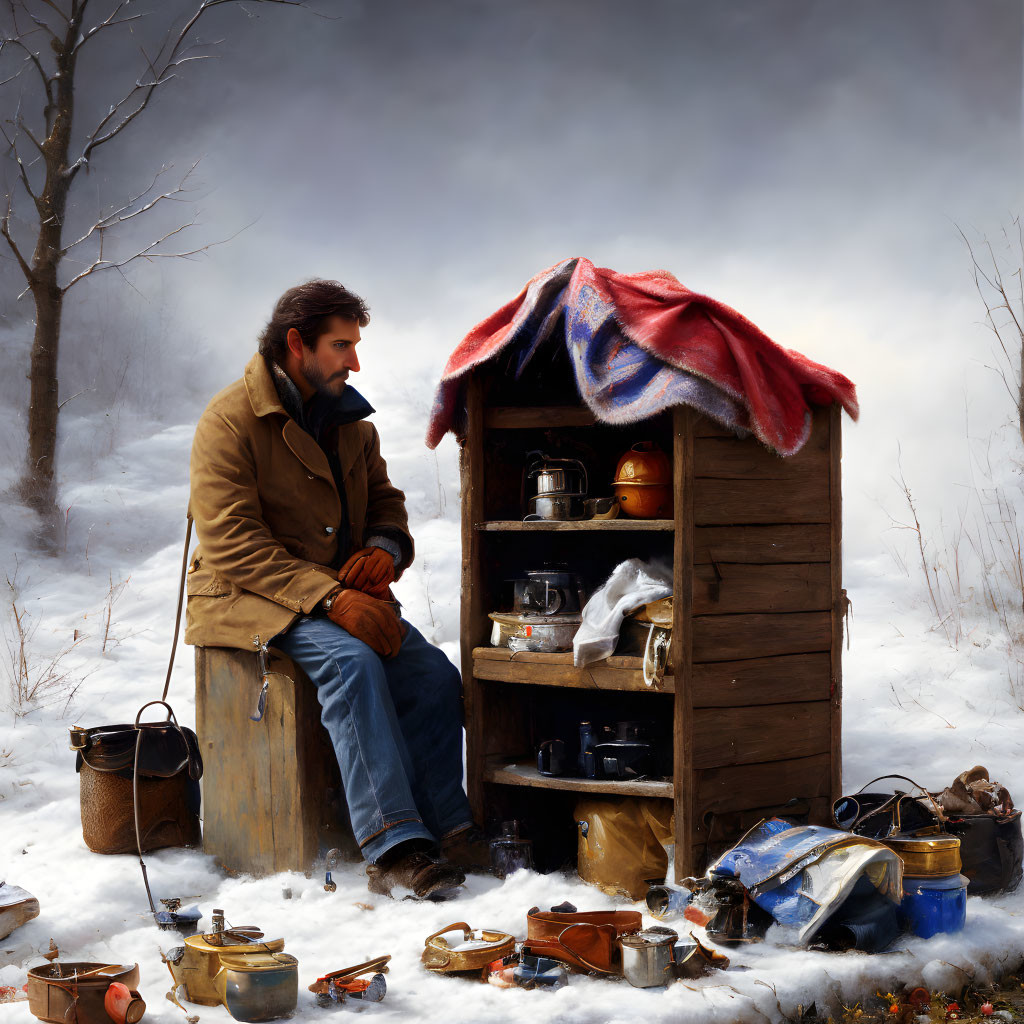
[(33, 681)]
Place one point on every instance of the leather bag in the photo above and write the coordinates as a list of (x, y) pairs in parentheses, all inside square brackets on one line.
[(77, 993), (991, 845), (164, 757), (587, 941)]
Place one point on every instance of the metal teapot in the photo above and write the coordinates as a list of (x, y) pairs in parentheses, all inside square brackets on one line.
[(554, 487)]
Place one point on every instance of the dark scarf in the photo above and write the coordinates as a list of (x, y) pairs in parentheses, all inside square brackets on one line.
[(320, 417)]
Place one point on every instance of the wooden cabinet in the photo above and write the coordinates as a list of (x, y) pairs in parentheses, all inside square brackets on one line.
[(753, 692)]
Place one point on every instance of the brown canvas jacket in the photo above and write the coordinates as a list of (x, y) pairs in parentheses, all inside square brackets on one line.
[(266, 512)]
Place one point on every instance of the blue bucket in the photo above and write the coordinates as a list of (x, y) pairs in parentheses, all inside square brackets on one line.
[(934, 905)]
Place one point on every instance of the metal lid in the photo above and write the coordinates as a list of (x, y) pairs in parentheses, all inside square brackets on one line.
[(653, 936)]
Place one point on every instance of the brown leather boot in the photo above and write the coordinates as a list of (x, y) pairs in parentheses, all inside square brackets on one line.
[(469, 849), (417, 871)]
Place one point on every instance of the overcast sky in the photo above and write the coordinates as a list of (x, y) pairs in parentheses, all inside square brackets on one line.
[(806, 161)]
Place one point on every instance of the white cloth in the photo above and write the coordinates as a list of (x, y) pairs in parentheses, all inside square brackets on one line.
[(632, 584)]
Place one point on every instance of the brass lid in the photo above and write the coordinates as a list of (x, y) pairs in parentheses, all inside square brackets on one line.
[(923, 844)]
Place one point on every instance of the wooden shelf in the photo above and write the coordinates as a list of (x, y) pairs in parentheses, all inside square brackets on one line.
[(516, 525), (534, 668), (505, 417), (501, 771)]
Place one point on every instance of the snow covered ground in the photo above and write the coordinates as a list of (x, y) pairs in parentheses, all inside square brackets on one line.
[(913, 705)]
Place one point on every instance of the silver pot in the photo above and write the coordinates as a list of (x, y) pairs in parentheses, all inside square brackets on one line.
[(555, 506), (557, 476), (647, 956), (547, 633), (548, 592)]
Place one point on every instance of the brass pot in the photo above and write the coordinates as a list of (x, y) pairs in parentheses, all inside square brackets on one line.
[(927, 856)]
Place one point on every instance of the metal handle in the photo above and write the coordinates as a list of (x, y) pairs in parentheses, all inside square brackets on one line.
[(655, 657)]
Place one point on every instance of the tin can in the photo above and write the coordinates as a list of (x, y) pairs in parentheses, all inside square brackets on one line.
[(934, 905)]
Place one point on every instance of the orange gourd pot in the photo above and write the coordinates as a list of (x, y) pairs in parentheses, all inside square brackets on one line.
[(643, 482)]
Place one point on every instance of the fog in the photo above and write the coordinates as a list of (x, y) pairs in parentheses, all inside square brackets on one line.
[(809, 163)]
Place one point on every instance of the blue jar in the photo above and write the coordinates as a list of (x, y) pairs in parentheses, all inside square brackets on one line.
[(934, 905)]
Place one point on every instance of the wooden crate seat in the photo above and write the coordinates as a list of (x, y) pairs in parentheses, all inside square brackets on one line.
[(272, 796)]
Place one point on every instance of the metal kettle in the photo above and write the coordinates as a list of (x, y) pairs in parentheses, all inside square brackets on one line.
[(554, 488)]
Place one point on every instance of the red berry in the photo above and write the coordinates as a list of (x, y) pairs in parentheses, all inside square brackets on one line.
[(987, 1009)]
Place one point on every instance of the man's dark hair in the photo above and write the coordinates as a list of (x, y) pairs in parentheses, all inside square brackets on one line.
[(305, 307)]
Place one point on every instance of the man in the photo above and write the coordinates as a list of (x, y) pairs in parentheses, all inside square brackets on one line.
[(301, 535)]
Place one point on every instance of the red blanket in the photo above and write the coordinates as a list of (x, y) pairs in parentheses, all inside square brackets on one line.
[(724, 365)]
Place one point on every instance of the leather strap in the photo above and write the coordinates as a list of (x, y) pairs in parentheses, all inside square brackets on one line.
[(935, 807), (170, 714)]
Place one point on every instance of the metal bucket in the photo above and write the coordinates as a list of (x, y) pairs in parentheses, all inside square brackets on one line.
[(647, 956)]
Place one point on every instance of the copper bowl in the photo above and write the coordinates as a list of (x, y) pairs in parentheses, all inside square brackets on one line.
[(643, 482), (927, 856), (645, 501)]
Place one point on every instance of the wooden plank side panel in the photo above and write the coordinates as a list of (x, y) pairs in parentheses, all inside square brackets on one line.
[(472, 629), (838, 597), (756, 681), (749, 735), (237, 801), (251, 805), (739, 787), (762, 545), (725, 588), (731, 458), (738, 637), (683, 419), (717, 833), (731, 502)]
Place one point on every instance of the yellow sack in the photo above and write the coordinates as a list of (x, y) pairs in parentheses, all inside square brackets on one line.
[(621, 842)]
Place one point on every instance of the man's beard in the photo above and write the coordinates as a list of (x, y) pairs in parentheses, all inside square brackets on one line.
[(330, 386)]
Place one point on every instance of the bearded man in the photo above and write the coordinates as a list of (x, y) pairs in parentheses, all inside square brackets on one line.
[(301, 535)]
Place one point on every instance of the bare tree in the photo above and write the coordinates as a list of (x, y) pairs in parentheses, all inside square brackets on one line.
[(48, 150), (999, 279)]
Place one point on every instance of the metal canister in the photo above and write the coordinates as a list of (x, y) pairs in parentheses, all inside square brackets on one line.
[(935, 856), (933, 905), (647, 956), (259, 986)]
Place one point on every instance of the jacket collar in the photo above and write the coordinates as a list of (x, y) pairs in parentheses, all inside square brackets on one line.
[(259, 385), (267, 395)]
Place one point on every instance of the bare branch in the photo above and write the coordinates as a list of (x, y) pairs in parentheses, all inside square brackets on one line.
[(5, 230), (30, 55), (22, 172), (75, 395), (125, 212), (38, 22), (109, 22), (172, 54), (147, 252)]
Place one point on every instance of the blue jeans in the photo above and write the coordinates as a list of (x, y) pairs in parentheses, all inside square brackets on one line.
[(396, 727)]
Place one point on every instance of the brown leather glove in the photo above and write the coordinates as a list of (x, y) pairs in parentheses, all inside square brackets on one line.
[(374, 622), (371, 570)]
